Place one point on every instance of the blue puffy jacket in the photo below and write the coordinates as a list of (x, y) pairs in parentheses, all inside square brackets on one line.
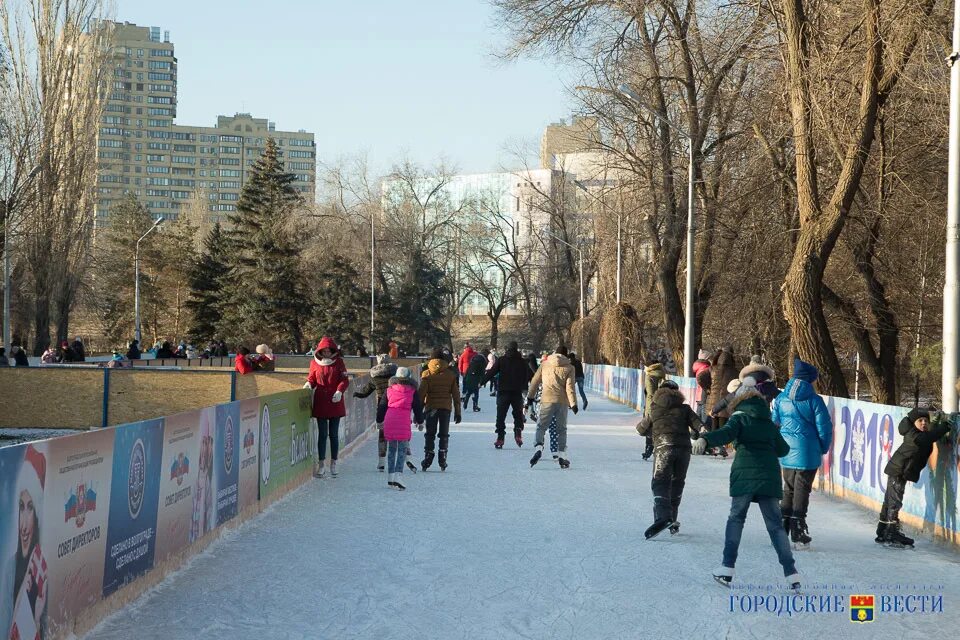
[(804, 422)]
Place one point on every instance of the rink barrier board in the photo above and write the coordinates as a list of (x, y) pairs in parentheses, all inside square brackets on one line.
[(865, 435), (123, 507)]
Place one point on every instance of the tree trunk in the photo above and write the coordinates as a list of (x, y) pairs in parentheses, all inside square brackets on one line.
[(41, 325), (673, 315), (494, 328)]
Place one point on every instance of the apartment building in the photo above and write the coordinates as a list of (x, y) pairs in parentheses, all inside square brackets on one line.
[(173, 167)]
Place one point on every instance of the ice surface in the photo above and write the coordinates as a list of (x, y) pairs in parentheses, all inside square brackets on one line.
[(493, 549)]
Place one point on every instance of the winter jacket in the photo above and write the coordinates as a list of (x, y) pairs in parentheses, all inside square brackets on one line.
[(20, 358), (394, 409), (912, 455), (379, 381), (133, 353), (558, 378), (671, 423), (756, 468), (722, 409), (722, 371), (475, 372), (764, 377), (79, 352), (243, 364), (655, 375), (463, 363), (701, 371), (513, 371), (804, 420), (438, 387), (577, 368), (49, 357), (326, 377)]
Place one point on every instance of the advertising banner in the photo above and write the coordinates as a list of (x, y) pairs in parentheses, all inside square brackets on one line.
[(226, 460), (625, 385), (361, 413), (182, 485), (285, 439), (249, 477), (76, 517), (134, 497)]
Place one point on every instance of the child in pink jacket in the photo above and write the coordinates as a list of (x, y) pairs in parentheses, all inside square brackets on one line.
[(393, 413)]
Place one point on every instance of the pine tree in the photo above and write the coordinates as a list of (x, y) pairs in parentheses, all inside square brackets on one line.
[(264, 285), (341, 307), (420, 303), (206, 282)]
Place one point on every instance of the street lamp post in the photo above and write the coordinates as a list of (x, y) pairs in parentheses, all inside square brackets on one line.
[(619, 228), (7, 214), (688, 337), (373, 345), (136, 281), (951, 284)]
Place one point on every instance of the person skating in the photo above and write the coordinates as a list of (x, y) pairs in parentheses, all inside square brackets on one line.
[(492, 358), (754, 477), (556, 377), (764, 378), (514, 376), (805, 424), (472, 379), (441, 395), (393, 416), (672, 424), (921, 429), (533, 364), (380, 375), (329, 380), (655, 375), (580, 377), (701, 372), (463, 362), (723, 369)]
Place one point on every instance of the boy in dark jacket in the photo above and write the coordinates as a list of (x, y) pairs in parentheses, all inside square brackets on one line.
[(441, 395), (671, 425), (379, 381), (919, 435), (514, 380), (754, 477)]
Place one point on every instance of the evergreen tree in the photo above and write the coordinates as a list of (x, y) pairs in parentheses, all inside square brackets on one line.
[(264, 285), (206, 282), (420, 303), (340, 307)]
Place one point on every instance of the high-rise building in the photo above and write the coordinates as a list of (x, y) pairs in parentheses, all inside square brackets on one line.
[(172, 167)]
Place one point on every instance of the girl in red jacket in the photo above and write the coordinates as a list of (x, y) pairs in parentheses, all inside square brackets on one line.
[(328, 379)]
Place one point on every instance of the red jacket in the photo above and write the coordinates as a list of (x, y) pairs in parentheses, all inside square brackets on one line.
[(464, 362), (244, 366), (325, 378)]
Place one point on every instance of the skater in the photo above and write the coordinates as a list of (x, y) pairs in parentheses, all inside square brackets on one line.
[(491, 363), (580, 377), (440, 394), (556, 375), (764, 377), (655, 376), (533, 364), (328, 379), (701, 371), (754, 477), (472, 379), (723, 369), (393, 416), (672, 425), (463, 362), (380, 375), (920, 431), (805, 424), (514, 376)]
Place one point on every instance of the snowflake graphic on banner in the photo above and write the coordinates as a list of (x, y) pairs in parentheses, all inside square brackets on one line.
[(859, 447)]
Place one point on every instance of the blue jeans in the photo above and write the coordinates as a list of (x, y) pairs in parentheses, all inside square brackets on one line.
[(582, 394), (770, 508), (329, 428), (396, 455)]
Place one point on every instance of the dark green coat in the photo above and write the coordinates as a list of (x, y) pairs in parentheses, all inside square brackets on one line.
[(759, 445)]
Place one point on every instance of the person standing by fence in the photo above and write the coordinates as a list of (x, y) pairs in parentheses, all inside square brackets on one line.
[(329, 380)]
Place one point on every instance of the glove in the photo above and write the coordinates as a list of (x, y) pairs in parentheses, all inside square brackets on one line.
[(306, 385), (938, 416), (703, 430), (575, 409), (420, 427), (379, 426), (699, 446), (457, 418), (337, 396)]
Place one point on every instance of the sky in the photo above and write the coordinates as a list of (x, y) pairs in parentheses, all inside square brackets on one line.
[(388, 79)]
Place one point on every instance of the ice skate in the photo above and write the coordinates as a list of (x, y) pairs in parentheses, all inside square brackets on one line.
[(564, 463), (443, 460), (656, 529), (675, 528), (499, 443), (333, 469), (536, 455), (894, 538), (398, 483), (320, 472), (518, 439), (427, 460), (411, 466), (723, 575), (381, 463), (794, 581), (799, 535)]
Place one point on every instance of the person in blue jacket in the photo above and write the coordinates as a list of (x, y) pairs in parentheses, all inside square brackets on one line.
[(806, 426)]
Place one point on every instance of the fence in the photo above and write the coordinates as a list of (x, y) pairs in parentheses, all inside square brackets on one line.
[(865, 435), (283, 361), (111, 511)]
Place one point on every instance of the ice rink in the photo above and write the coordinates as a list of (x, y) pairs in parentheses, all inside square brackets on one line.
[(494, 549)]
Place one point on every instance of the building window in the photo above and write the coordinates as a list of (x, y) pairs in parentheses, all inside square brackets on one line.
[(153, 158), (236, 139), (184, 159)]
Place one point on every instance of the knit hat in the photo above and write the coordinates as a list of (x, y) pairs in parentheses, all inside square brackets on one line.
[(264, 350), (383, 358), (733, 386), (33, 477), (804, 371), (703, 354), (403, 372)]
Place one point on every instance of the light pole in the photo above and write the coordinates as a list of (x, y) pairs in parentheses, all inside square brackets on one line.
[(373, 345), (136, 281), (951, 283), (7, 214), (688, 345), (583, 306), (619, 226)]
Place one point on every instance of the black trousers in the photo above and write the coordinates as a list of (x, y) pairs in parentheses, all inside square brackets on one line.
[(797, 484), (669, 477), (893, 499), (438, 421), (507, 400)]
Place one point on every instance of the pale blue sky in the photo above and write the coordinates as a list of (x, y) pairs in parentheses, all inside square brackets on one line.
[(388, 78)]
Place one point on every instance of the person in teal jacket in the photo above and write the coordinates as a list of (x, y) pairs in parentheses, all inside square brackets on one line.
[(806, 426), (754, 477)]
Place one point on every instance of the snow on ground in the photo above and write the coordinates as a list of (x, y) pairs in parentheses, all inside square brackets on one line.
[(493, 549)]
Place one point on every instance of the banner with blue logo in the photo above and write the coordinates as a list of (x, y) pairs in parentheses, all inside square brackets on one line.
[(226, 460), (134, 498), (186, 482), (249, 477)]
